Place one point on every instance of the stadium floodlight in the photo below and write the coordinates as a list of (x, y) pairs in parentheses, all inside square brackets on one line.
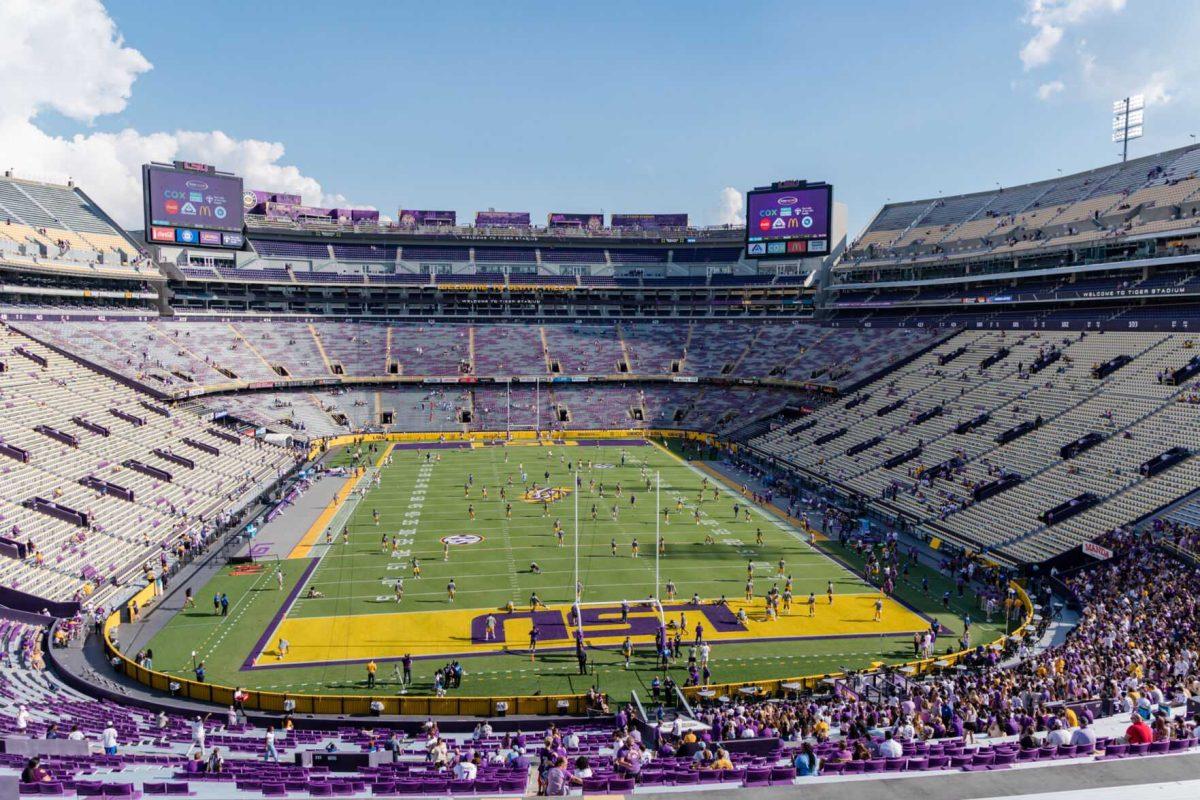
[(1128, 119)]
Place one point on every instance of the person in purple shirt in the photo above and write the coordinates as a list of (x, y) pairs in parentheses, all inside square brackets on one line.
[(557, 780)]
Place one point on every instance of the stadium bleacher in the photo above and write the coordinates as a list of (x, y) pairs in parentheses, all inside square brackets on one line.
[(59, 228), (1144, 195), (78, 440), (175, 355), (1131, 407)]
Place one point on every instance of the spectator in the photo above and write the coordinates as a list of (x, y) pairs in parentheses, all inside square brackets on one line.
[(889, 747), (807, 763), (33, 772), (557, 782), (108, 739), (1084, 737), (1138, 731)]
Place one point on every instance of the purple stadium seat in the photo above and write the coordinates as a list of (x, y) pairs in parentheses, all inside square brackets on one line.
[(512, 783), (756, 776), (1159, 747), (783, 774), (895, 764), (620, 784), (595, 785), (1115, 751)]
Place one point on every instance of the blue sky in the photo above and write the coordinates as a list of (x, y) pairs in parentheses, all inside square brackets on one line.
[(653, 106)]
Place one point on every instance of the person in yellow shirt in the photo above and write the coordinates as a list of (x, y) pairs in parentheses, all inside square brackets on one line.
[(821, 730), (1072, 717), (722, 760), (372, 668)]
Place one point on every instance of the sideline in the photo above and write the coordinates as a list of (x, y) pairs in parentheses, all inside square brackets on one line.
[(304, 547), (796, 523)]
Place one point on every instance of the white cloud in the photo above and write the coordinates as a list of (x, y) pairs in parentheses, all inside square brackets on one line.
[(729, 210), (1158, 88), (1039, 50), (67, 56), (1051, 18), (1048, 90)]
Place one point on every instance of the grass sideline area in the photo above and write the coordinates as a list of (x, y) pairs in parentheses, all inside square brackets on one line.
[(427, 495)]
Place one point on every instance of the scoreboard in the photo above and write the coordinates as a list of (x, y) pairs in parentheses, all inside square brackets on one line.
[(192, 204), (789, 220)]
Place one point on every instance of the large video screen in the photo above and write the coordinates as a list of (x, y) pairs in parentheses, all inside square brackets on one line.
[(194, 200), (788, 223)]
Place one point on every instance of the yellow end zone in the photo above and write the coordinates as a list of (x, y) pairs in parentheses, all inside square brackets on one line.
[(323, 640)]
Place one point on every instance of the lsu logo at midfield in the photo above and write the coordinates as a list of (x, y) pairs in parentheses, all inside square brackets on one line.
[(546, 495), (460, 539)]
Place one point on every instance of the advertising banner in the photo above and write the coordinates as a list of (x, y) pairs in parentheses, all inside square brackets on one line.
[(591, 222), (649, 222), (502, 219), (414, 218)]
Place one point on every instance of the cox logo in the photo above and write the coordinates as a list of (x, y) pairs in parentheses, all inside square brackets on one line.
[(787, 201), (198, 186)]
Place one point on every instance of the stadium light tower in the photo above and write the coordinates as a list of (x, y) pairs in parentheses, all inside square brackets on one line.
[(1128, 116)]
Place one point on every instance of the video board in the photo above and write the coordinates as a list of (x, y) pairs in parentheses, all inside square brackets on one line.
[(192, 204), (789, 221)]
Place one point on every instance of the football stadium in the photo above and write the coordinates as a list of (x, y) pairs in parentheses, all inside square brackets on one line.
[(306, 498)]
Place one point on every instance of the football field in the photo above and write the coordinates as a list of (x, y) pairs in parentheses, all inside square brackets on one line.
[(497, 525)]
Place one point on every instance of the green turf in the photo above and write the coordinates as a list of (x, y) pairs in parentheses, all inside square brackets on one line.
[(491, 573)]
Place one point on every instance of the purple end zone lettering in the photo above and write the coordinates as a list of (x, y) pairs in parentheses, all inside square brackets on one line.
[(551, 625), (606, 622)]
